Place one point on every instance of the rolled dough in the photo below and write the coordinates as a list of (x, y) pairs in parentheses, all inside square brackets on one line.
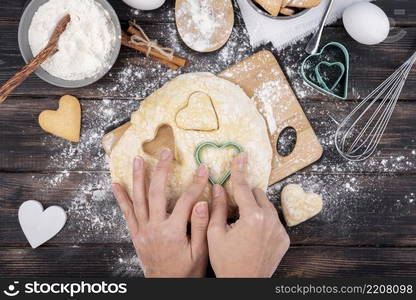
[(237, 120)]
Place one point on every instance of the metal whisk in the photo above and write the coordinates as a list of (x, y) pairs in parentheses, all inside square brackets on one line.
[(359, 134)]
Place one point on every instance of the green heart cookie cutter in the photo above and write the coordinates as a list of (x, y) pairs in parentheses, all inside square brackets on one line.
[(321, 85), (205, 145)]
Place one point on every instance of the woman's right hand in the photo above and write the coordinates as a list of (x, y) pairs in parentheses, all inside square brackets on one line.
[(255, 244)]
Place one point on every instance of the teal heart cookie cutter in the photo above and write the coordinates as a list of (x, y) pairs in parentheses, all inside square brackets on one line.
[(321, 85), (321, 81), (205, 145)]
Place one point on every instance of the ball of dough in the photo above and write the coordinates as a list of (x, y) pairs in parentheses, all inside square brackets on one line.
[(238, 120)]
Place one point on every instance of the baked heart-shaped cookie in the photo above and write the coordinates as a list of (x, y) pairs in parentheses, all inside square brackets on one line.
[(299, 206), (64, 122), (199, 114)]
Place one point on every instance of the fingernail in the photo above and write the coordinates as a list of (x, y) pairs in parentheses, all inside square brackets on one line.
[(138, 163), (165, 154), (201, 209), (202, 171), (242, 161), (216, 191)]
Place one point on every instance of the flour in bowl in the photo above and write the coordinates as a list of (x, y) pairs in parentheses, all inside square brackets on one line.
[(87, 43)]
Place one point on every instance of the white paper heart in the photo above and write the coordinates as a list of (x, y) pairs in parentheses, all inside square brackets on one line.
[(39, 225), (298, 206)]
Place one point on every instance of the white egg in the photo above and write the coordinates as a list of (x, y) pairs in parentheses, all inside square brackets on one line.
[(145, 4), (366, 23)]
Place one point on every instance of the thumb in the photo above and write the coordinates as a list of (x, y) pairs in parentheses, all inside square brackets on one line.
[(218, 220), (199, 225)]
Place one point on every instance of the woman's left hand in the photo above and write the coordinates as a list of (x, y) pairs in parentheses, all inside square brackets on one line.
[(160, 239)]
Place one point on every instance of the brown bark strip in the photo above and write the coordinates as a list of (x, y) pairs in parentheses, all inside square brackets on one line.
[(50, 50)]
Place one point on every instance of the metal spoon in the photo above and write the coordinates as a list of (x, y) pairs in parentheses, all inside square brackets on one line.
[(313, 44)]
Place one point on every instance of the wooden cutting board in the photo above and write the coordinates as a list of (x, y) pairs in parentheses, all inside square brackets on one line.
[(261, 77)]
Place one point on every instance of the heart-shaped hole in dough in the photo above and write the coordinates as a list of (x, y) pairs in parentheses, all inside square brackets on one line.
[(164, 139)]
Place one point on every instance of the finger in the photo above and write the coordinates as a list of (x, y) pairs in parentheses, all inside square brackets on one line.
[(127, 209), (139, 190), (157, 196), (264, 202), (146, 184), (218, 220), (241, 189), (186, 201), (262, 199), (199, 225)]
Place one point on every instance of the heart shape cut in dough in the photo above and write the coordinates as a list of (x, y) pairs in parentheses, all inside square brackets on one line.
[(299, 206), (64, 122), (39, 225), (219, 165), (199, 114)]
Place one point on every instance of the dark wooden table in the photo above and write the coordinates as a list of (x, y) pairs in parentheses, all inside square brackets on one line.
[(367, 227)]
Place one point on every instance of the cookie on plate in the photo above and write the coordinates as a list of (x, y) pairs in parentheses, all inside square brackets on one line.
[(271, 6)]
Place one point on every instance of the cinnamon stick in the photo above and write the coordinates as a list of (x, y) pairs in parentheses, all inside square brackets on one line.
[(167, 63), (32, 66), (177, 60), (125, 41)]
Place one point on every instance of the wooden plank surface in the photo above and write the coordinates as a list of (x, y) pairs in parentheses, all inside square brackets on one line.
[(367, 69), (25, 147), (401, 12), (109, 260), (368, 223), (359, 209)]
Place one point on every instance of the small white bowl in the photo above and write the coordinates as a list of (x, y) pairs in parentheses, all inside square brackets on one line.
[(23, 38)]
